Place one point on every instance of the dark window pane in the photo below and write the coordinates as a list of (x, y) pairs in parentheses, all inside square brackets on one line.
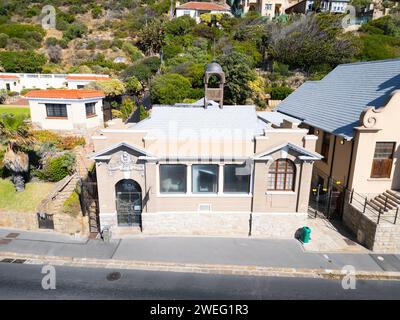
[(90, 109), (205, 178), (236, 178), (56, 110), (172, 178)]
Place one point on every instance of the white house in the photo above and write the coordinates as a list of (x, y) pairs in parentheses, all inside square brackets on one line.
[(332, 6), (195, 9), (69, 110), (18, 81), (267, 8)]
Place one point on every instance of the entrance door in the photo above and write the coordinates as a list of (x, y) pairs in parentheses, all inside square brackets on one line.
[(129, 203)]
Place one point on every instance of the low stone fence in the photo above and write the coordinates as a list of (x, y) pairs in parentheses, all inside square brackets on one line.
[(266, 225), (51, 205), (382, 237)]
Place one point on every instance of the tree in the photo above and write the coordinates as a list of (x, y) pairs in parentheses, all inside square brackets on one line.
[(22, 61), (305, 44), (170, 88), (15, 135), (127, 108), (180, 26), (151, 37), (133, 86), (238, 74), (111, 88)]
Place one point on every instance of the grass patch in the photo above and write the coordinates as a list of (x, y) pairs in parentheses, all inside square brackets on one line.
[(15, 110), (25, 201)]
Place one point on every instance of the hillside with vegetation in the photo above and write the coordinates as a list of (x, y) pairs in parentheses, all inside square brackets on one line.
[(136, 42)]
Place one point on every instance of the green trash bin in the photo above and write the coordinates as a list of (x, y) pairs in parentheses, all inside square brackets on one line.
[(305, 235)]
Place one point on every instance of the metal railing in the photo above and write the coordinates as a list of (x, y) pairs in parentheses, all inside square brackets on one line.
[(367, 207)]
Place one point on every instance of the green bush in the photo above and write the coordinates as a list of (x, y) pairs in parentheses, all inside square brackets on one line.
[(379, 47), (22, 61), (75, 30), (22, 31), (3, 40), (127, 108), (72, 205), (58, 168), (180, 26), (96, 12), (170, 88), (280, 93), (143, 113), (133, 52)]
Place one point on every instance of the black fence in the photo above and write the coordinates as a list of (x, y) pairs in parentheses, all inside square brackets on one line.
[(363, 204)]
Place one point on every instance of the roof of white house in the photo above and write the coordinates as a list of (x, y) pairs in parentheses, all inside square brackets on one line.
[(71, 94), (206, 6), (192, 121)]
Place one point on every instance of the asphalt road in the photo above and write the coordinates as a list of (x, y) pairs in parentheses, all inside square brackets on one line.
[(21, 281)]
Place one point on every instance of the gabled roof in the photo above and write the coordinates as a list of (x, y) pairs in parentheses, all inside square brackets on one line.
[(94, 78), (72, 94), (335, 103), (104, 154), (305, 154), (195, 5)]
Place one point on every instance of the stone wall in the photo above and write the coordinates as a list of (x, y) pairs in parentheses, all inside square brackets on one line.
[(267, 225), (63, 223), (382, 237), (277, 225), (196, 223)]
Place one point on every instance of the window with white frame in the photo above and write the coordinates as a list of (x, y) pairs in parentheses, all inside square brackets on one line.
[(205, 178), (236, 178), (172, 178), (268, 6)]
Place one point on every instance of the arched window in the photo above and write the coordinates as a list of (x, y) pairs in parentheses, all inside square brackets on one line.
[(281, 175)]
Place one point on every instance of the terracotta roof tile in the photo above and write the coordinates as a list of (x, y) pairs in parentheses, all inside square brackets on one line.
[(8, 76), (65, 94), (88, 78), (194, 5)]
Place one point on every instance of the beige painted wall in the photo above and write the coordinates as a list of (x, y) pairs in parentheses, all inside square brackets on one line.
[(259, 199)]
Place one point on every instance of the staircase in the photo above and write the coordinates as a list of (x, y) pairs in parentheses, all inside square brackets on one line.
[(388, 203)]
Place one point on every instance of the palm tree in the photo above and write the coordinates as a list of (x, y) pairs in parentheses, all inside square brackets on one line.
[(15, 136)]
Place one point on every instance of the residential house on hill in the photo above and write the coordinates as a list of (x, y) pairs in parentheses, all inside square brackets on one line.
[(195, 9)]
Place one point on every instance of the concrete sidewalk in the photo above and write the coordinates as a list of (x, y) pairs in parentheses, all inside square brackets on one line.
[(193, 250)]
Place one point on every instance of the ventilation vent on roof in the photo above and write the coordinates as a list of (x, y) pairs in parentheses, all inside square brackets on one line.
[(204, 207)]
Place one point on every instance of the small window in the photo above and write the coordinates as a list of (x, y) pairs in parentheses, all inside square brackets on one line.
[(56, 110), (383, 160), (90, 109), (172, 178), (281, 175), (236, 178), (80, 86), (326, 142), (205, 178)]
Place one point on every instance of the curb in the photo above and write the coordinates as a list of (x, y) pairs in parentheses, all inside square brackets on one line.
[(198, 268)]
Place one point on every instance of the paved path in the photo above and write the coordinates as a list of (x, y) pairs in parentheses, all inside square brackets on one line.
[(232, 251), (24, 282)]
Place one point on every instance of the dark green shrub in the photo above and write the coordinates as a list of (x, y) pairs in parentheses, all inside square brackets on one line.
[(280, 93), (3, 40), (22, 61), (58, 168)]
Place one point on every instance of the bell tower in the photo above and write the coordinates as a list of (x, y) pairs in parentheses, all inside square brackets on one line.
[(214, 81)]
